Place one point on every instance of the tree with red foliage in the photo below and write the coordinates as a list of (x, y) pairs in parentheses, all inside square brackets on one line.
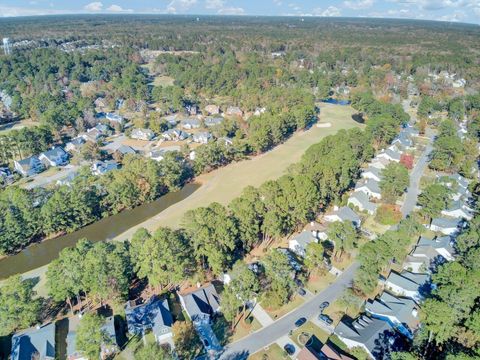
[(407, 160)]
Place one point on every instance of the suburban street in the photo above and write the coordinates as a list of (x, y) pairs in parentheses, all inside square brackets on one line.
[(268, 335)]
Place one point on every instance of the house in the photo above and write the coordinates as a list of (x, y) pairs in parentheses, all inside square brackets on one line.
[(100, 102), (67, 180), (191, 109), (259, 111), (429, 253), (458, 210), (142, 134), (213, 121), (29, 166), (226, 141), (102, 167), (371, 188), (234, 111), (389, 155), (294, 264), (343, 214), (172, 119), (460, 193), (446, 226), (360, 200), (114, 118), (372, 173), (379, 163), (6, 175), (201, 304), (375, 336), (202, 137), (400, 313), (54, 157), (403, 141), (75, 145), (460, 180), (175, 135), (408, 284), (442, 245), (159, 154), (153, 315), (212, 109), (190, 123), (35, 343), (300, 242), (125, 150)]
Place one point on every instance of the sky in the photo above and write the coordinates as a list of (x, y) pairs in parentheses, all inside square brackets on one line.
[(444, 10)]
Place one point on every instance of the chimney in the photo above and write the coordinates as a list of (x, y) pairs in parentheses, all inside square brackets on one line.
[(198, 285), (335, 208)]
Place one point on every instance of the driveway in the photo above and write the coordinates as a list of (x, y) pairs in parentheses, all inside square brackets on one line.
[(256, 341), (42, 180)]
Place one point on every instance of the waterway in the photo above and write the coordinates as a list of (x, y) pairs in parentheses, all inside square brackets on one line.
[(40, 254)]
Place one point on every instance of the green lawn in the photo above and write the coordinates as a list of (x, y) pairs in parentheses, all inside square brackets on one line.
[(272, 352), (318, 283), (308, 329)]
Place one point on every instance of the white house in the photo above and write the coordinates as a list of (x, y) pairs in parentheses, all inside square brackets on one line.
[(213, 121), (408, 284), (114, 118), (159, 154), (175, 135), (360, 200), (343, 214), (458, 210), (446, 226), (102, 167), (54, 157), (234, 111), (202, 137), (372, 173), (371, 188), (300, 242), (142, 134), (379, 163), (389, 155), (190, 123), (29, 166), (212, 109), (75, 145)]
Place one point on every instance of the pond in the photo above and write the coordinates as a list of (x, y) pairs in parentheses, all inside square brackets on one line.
[(43, 253), (336, 101)]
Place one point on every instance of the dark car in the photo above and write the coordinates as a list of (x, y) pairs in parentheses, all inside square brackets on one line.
[(300, 322), (301, 291), (326, 319), (324, 305), (289, 349), (298, 282)]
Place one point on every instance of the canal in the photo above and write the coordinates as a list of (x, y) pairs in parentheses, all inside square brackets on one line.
[(42, 253)]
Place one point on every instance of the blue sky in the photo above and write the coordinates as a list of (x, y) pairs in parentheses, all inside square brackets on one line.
[(445, 10)]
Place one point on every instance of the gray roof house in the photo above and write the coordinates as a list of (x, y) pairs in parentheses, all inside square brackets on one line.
[(115, 118), (102, 167), (75, 144), (299, 243), (201, 304), (213, 121), (372, 173), (403, 141), (153, 315), (175, 135), (458, 210), (34, 343), (446, 226), (408, 284), (360, 200), (54, 157), (370, 188), (142, 134), (190, 123), (125, 150), (234, 111), (442, 245), (343, 214), (202, 137), (401, 313), (379, 163), (375, 336), (390, 155), (212, 109), (29, 166)]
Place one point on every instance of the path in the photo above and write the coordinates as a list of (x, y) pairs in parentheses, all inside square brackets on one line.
[(256, 341)]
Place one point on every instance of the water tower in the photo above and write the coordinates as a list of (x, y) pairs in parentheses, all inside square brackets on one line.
[(6, 46)]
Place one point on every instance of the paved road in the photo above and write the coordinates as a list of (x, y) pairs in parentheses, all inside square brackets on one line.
[(256, 341)]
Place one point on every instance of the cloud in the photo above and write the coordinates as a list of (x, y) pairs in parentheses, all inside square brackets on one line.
[(214, 4), (94, 6), (231, 11), (330, 11), (118, 9), (11, 11), (278, 2), (357, 5)]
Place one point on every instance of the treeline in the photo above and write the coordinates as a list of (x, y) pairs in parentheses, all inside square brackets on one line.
[(451, 315), (19, 144), (28, 215)]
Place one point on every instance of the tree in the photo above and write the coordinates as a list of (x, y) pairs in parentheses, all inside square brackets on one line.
[(343, 235), (439, 319), (230, 304), (91, 336), (163, 257), (152, 351), (278, 272), (314, 259), (394, 181), (18, 306), (407, 161), (186, 340), (359, 353), (433, 199)]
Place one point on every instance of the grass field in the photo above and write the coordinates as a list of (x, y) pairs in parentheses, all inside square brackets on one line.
[(272, 352), (224, 184)]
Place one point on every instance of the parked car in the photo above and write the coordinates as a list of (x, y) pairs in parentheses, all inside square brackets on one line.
[(289, 349), (298, 282), (326, 319), (300, 322), (301, 291), (324, 305)]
